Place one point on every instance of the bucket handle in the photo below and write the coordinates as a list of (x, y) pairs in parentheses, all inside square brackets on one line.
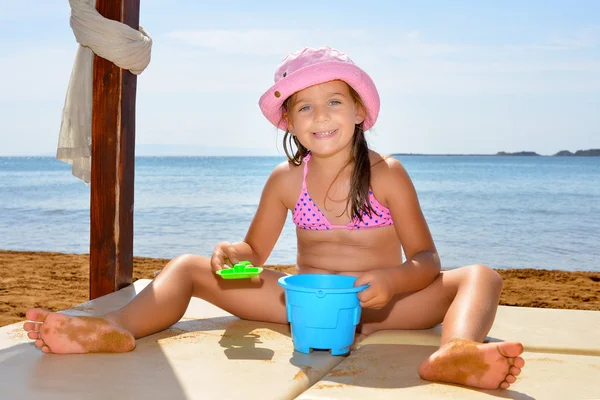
[(357, 311)]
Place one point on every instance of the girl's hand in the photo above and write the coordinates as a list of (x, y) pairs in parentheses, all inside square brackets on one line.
[(224, 256), (380, 290)]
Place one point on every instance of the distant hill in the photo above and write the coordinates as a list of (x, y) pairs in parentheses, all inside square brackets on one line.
[(562, 153), (581, 153)]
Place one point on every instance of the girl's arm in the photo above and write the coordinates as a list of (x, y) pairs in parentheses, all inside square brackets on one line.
[(268, 220), (422, 264)]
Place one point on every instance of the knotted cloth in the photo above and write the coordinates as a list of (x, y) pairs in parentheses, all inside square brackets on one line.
[(125, 47)]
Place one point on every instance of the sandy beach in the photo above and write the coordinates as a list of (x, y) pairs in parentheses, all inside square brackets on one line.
[(57, 281)]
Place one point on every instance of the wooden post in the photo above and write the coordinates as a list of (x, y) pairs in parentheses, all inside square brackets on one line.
[(113, 160)]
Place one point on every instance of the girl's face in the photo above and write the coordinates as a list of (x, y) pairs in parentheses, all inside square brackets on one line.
[(323, 117)]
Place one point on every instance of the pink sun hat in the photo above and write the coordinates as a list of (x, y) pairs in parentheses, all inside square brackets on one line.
[(309, 67)]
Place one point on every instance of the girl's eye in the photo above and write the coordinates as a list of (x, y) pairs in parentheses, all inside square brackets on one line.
[(305, 108), (335, 102)]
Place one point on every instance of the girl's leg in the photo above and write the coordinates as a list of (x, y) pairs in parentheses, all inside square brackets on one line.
[(164, 301), (161, 304), (465, 300)]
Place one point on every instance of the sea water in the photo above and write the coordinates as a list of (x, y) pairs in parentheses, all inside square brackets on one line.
[(505, 212)]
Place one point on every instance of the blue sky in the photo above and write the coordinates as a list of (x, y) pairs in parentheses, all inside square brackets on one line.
[(454, 76)]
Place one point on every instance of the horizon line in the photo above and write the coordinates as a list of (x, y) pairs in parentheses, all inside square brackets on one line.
[(497, 154)]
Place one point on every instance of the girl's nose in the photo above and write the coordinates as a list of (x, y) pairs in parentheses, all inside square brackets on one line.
[(321, 114)]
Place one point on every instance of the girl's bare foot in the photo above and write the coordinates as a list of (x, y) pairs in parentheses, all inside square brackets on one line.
[(485, 366), (63, 334)]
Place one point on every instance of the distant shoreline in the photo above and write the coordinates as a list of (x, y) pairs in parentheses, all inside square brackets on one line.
[(562, 153)]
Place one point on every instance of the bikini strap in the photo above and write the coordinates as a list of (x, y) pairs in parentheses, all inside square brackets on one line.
[(305, 161)]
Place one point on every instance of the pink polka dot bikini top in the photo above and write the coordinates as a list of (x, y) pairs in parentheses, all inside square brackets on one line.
[(307, 215)]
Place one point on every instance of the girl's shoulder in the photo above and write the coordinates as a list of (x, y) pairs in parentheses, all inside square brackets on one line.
[(387, 173), (285, 177), (286, 169), (383, 163)]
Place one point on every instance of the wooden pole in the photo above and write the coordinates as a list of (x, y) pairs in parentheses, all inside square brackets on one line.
[(113, 156)]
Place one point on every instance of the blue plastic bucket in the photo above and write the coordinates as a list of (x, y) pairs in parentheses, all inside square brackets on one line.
[(323, 311)]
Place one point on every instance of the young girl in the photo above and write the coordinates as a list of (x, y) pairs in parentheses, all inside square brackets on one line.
[(356, 212)]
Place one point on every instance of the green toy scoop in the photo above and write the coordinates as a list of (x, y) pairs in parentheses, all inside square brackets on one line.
[(241, 270)]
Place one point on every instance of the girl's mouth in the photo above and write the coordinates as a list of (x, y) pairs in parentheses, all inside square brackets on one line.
[(325, 135)]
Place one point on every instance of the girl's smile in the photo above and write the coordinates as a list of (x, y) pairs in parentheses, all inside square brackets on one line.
[(325, 135)]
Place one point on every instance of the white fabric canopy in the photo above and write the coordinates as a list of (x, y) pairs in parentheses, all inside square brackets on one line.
[(127, 48)]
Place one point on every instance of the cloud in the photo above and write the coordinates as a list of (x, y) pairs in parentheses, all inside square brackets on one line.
[(398, 60), (399, 44), (257, 42), (280, 42), (581, 39)]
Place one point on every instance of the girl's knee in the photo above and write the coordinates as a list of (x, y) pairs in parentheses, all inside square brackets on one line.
[(485, 275), (189, 264), (190, 268), (190, 259)]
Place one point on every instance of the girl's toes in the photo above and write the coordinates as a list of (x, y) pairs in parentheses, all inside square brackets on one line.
[(39, 343), (519, 362), (28, 326), (514, 371), (510, 379), (504, 385), (46, 349), (33, 335), (36, 314)]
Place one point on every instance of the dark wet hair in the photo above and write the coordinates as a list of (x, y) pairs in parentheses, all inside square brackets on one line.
[(360, 182)]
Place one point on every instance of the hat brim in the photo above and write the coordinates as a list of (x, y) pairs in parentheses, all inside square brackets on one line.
[(272, 100)]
